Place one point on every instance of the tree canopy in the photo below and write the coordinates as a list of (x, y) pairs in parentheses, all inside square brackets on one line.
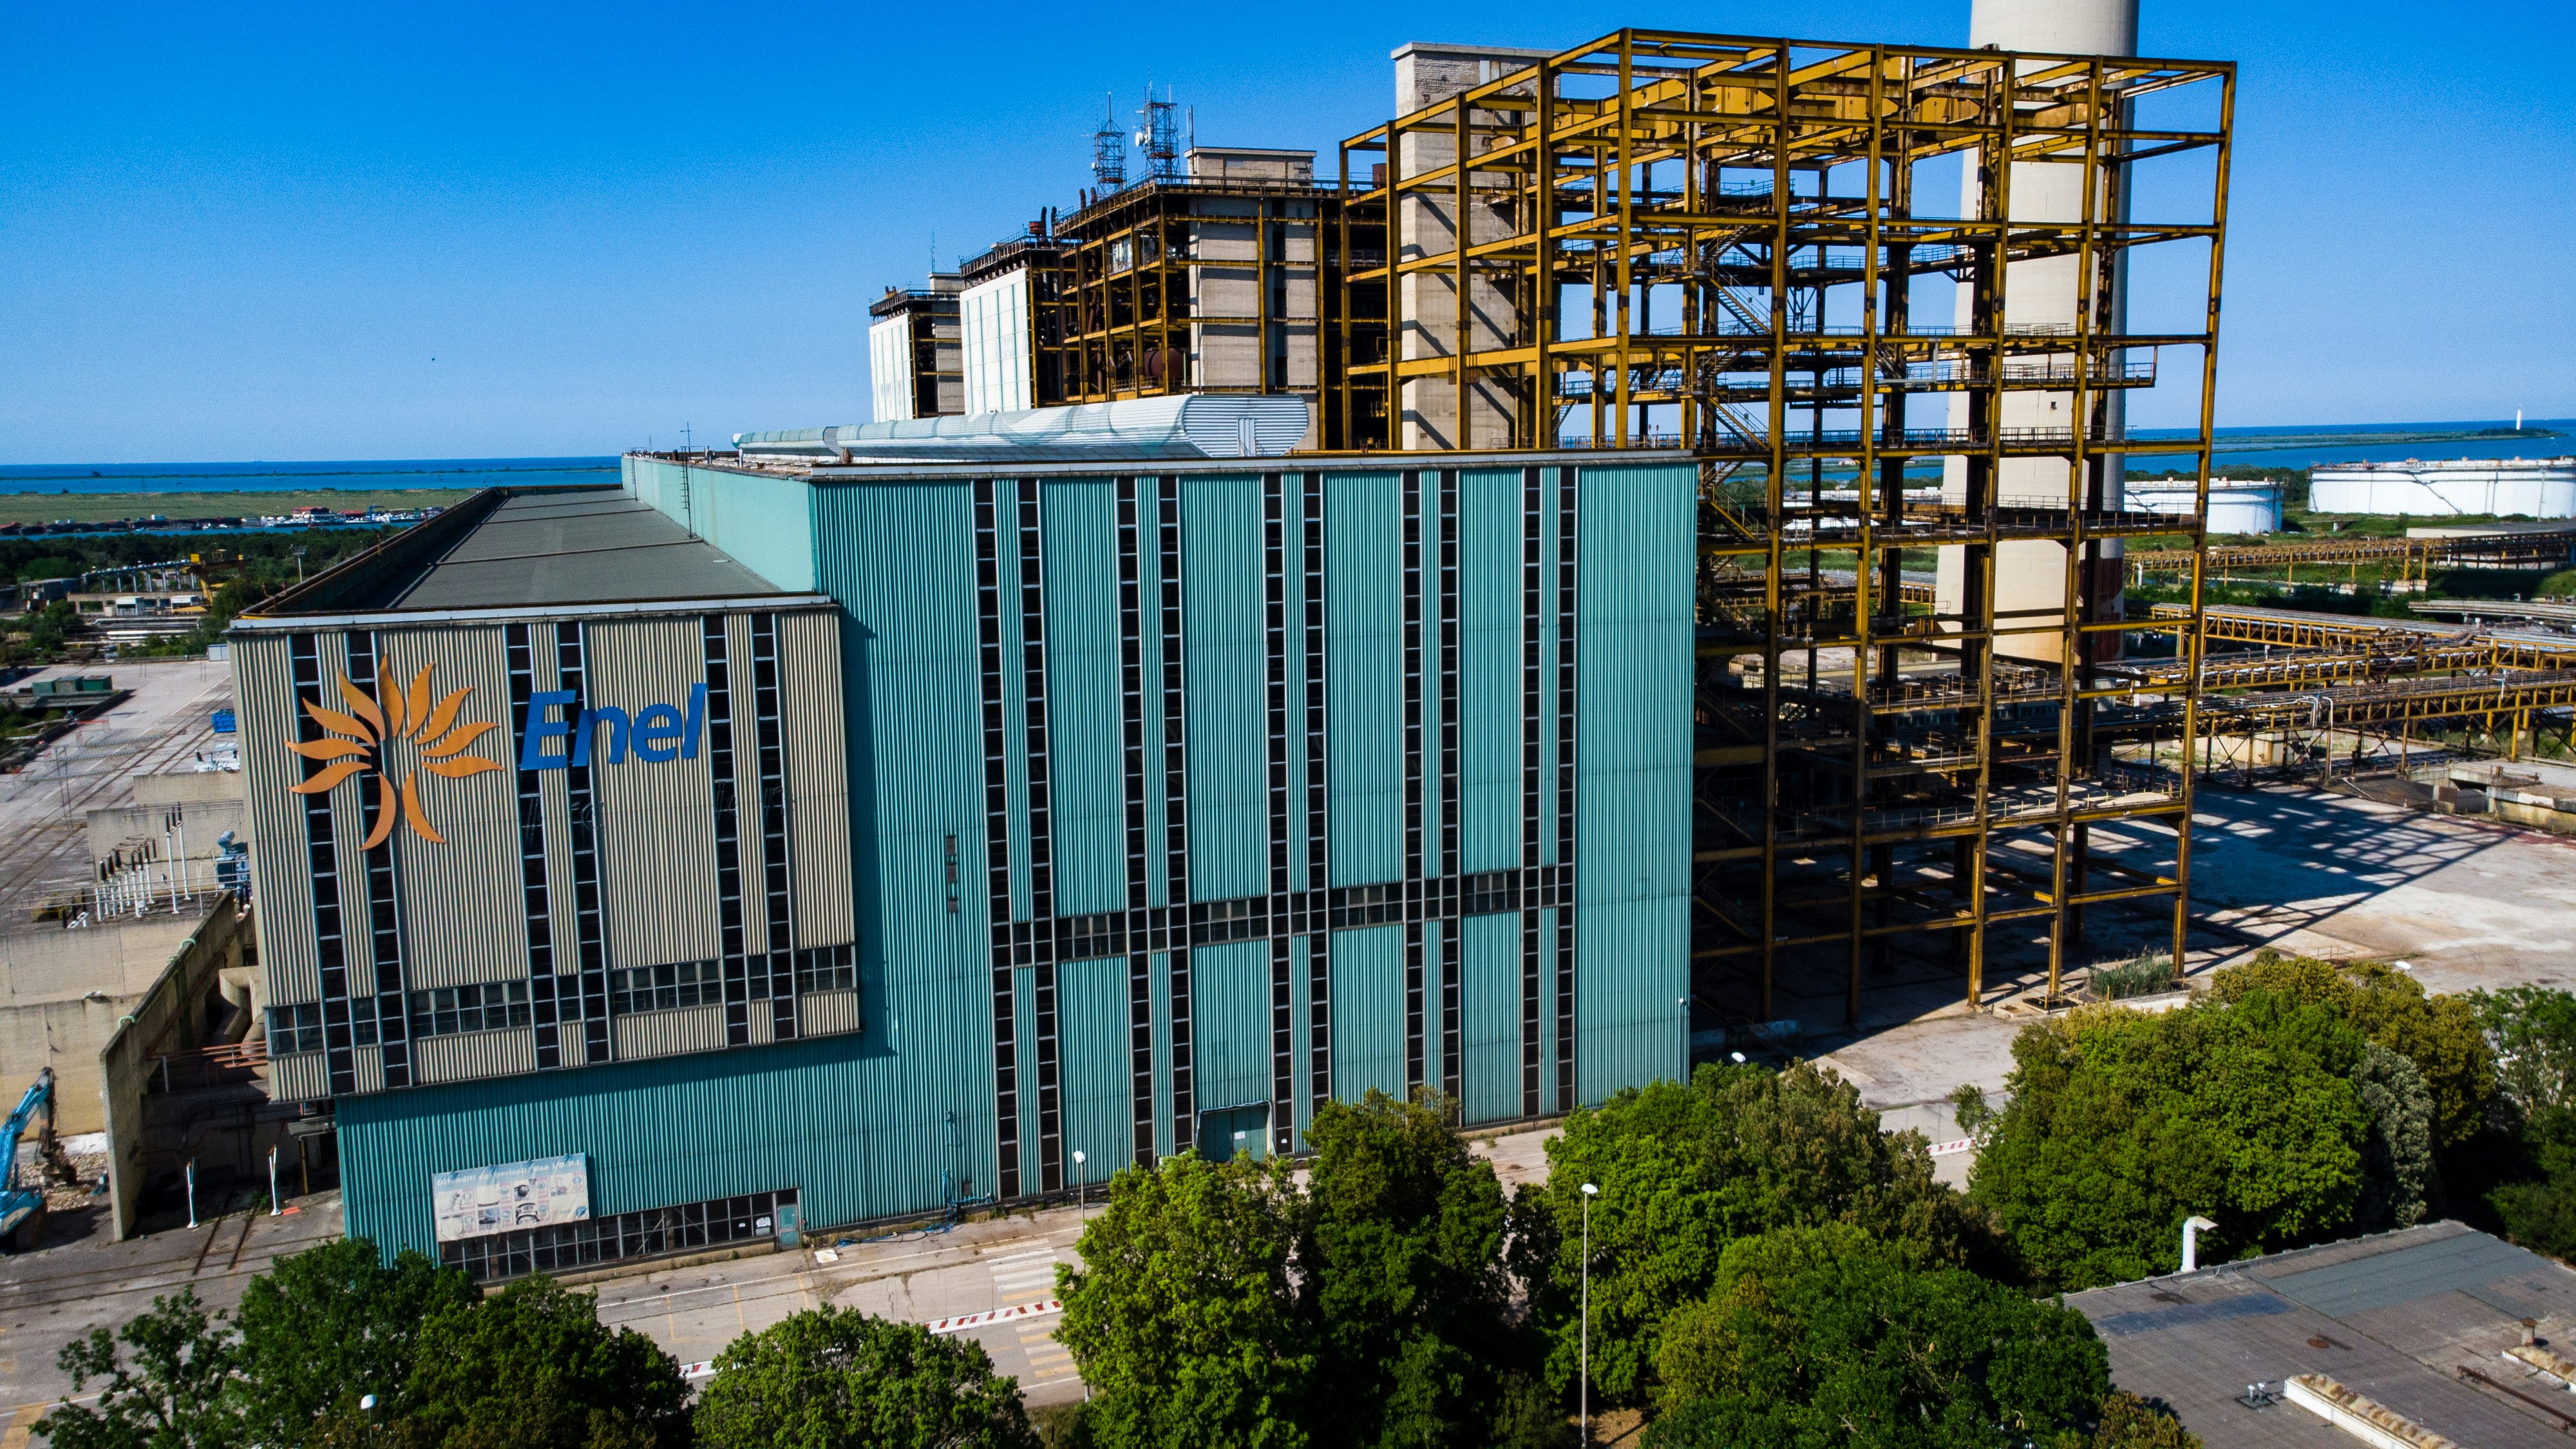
[(1183, 1320), (1824, 1337), (1685, 1169), (833, 1378), (2439, 1035), (333, 1323), (532, 1367)]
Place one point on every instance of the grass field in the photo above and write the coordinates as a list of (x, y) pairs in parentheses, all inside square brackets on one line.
[(103, 507)]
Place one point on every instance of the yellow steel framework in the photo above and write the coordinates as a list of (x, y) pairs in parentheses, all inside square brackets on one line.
[(1716, 242)]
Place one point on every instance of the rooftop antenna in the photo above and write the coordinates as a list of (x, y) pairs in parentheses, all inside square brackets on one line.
[(1158, 135), (1109, 149)]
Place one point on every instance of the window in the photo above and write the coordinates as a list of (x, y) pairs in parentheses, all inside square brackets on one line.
[(294, 1029), (667, 987), (449, 1010), (827, 968)]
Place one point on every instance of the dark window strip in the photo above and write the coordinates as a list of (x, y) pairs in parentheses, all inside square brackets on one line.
[(384, 897), (1452, 1005), (1131, 718), (1283, 1048), (589, 930), (997, 827), (536, 899), (653, 1233)]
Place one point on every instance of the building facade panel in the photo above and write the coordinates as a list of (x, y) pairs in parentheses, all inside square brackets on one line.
[(1364, 609), (655, 819), (1085, 715), (1368, 1016), (470, 871)]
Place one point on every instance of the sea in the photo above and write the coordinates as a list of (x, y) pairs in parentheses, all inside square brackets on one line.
[(352, 476), (2269, 447)]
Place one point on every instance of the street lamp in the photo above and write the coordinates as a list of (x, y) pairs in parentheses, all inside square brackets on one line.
[(1583, 1410), (1081, 1184)]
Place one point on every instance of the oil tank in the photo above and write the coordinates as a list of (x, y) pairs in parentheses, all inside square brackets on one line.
[(2498, 487)]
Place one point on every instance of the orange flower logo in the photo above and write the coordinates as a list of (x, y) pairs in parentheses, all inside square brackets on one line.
[(362, 736)]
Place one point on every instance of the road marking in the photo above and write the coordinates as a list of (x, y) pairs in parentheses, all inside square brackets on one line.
[(21, 1425), (962, 1322)]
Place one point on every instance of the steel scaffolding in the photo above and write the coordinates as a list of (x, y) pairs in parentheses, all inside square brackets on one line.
[(1717, 243)]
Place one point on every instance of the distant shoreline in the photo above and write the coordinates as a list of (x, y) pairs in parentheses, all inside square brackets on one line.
[(226, 503)]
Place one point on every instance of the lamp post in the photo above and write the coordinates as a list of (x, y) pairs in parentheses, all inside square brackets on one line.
[(1081, 1184), (1583, 1410)]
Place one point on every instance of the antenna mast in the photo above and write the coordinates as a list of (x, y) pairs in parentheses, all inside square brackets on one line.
[(1109, 149)]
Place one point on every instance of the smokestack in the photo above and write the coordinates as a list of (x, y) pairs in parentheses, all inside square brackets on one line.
[(2029, 577)]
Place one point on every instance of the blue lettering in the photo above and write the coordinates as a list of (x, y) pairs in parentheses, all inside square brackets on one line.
[(532, 754), (619, 727), (697, 721), (657, 733)]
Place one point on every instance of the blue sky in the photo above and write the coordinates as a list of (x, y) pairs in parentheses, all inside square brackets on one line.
[(246, 231)]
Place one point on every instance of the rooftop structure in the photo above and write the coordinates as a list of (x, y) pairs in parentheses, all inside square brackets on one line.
[(2425, 1323)]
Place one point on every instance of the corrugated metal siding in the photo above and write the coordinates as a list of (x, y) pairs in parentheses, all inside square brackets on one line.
[(1223, 647), (1368, 1012), (264, 686), (1490, 1005), (1489, 669), (900, 557), (1091, 1012), (302, 1077), (474, 1054), (657, 844), (474, 876), (1230, 1028), (670, 1033), (808, 1115), (765, 523), (1090, 772), (1364, 670), (368, 1062), (554, 806), (1633, 798), (1292, 536), (826, 1013), (811, 723)]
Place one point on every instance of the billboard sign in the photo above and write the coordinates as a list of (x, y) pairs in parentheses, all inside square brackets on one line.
[(508, 1196)]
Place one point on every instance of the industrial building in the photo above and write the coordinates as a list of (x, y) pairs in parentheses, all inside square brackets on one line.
[(846, 841)]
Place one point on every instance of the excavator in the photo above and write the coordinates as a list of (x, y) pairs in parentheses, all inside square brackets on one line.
[(22, 1204)]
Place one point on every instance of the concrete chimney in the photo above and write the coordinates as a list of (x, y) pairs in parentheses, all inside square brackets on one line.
[(2029, 577)]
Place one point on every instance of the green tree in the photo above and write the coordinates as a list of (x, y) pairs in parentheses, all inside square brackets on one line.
[(2397, 1156), (1684, 1169), (834, 1378), (532, 1367), (2130, 1422), (2532, 1032), (1184, 1321), (2439, 1034), (2122, 1124), (334, 1323), (1400, 1252), (2539, 1211), (1824, 1337), (165, 1390)]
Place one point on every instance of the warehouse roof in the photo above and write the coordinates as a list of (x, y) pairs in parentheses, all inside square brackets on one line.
[(2412, 1320), (528, 548)]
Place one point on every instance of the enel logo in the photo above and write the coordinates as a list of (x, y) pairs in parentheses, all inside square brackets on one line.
[(658, 732)]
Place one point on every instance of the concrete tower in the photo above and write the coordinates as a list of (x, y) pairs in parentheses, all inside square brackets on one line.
[(2030, 577)]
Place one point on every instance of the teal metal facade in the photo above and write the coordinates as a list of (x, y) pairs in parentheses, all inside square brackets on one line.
[(1226, 888)]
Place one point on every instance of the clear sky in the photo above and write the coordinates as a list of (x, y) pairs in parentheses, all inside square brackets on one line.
[(464, 230)]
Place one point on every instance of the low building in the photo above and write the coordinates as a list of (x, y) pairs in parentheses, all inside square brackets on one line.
[(2427, 1324), (805, 842)]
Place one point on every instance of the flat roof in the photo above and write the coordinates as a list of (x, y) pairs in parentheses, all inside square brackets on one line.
[(2393, 1317), (528, 548)]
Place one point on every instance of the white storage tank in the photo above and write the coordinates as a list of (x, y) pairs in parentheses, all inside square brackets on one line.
[(2236, 505), (2502, 487)]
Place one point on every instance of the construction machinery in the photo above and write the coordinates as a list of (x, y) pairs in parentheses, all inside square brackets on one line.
[(22, 1204)]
